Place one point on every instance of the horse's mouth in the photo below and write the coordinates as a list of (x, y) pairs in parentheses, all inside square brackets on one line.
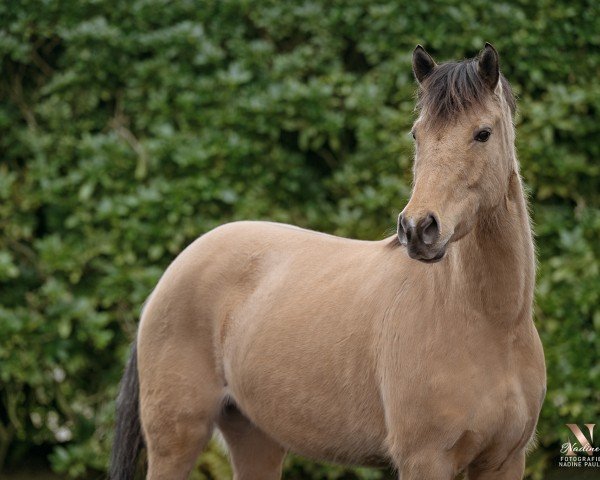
[(425, 259), (435, 259)]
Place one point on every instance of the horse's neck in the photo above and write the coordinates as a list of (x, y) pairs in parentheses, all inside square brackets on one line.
[(494, 266)]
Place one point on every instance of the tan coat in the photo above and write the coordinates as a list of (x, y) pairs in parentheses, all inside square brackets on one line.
[(350, 351)]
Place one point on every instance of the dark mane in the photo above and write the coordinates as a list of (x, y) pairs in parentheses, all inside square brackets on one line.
[(453, 88)]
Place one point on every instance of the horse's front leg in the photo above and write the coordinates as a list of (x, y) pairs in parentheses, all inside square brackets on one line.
[(511, 469), (418, 450), (425, 465)]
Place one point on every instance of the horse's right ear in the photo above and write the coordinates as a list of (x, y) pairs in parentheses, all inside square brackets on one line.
[(422, 63), (488, 66)]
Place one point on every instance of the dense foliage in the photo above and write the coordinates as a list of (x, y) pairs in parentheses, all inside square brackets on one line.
[(130, 128)]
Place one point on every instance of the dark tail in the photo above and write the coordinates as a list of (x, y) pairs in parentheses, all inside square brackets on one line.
[(128, 441)]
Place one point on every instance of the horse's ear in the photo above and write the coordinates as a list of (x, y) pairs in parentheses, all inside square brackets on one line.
[(488, 66), (422, 63)]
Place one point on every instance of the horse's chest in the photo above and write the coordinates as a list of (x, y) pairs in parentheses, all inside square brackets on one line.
[(459, 407)]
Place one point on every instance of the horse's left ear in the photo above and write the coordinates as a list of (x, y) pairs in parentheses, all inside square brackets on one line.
[(488, 66)]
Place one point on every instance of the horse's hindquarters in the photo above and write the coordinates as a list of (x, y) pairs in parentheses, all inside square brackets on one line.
[(180, 389)]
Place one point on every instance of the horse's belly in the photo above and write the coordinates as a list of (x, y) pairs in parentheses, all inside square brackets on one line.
[(315, 392), (321, 424)]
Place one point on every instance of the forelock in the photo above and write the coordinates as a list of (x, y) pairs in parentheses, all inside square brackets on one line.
[(454, 88)]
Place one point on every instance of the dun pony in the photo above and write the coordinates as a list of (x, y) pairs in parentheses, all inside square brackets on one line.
[(418, 351)]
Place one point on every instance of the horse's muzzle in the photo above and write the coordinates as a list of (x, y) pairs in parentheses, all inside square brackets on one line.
[(420, 236)]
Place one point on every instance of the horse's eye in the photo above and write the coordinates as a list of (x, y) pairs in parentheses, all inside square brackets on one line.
[(482, 135), (412, 132)]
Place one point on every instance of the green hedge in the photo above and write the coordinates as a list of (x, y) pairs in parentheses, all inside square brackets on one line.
[(130, 128)]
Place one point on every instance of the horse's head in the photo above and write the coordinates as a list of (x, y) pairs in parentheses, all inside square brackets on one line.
[(464, 151)]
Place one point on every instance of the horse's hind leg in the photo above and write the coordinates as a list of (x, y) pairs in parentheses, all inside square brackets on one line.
[(180, 396), (254, 455)]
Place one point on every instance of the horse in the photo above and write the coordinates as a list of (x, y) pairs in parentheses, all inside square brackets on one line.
[(418, 351)]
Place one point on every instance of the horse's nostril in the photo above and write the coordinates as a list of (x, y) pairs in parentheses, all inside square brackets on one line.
[(402, 230), (429, 229), (403, 222)]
